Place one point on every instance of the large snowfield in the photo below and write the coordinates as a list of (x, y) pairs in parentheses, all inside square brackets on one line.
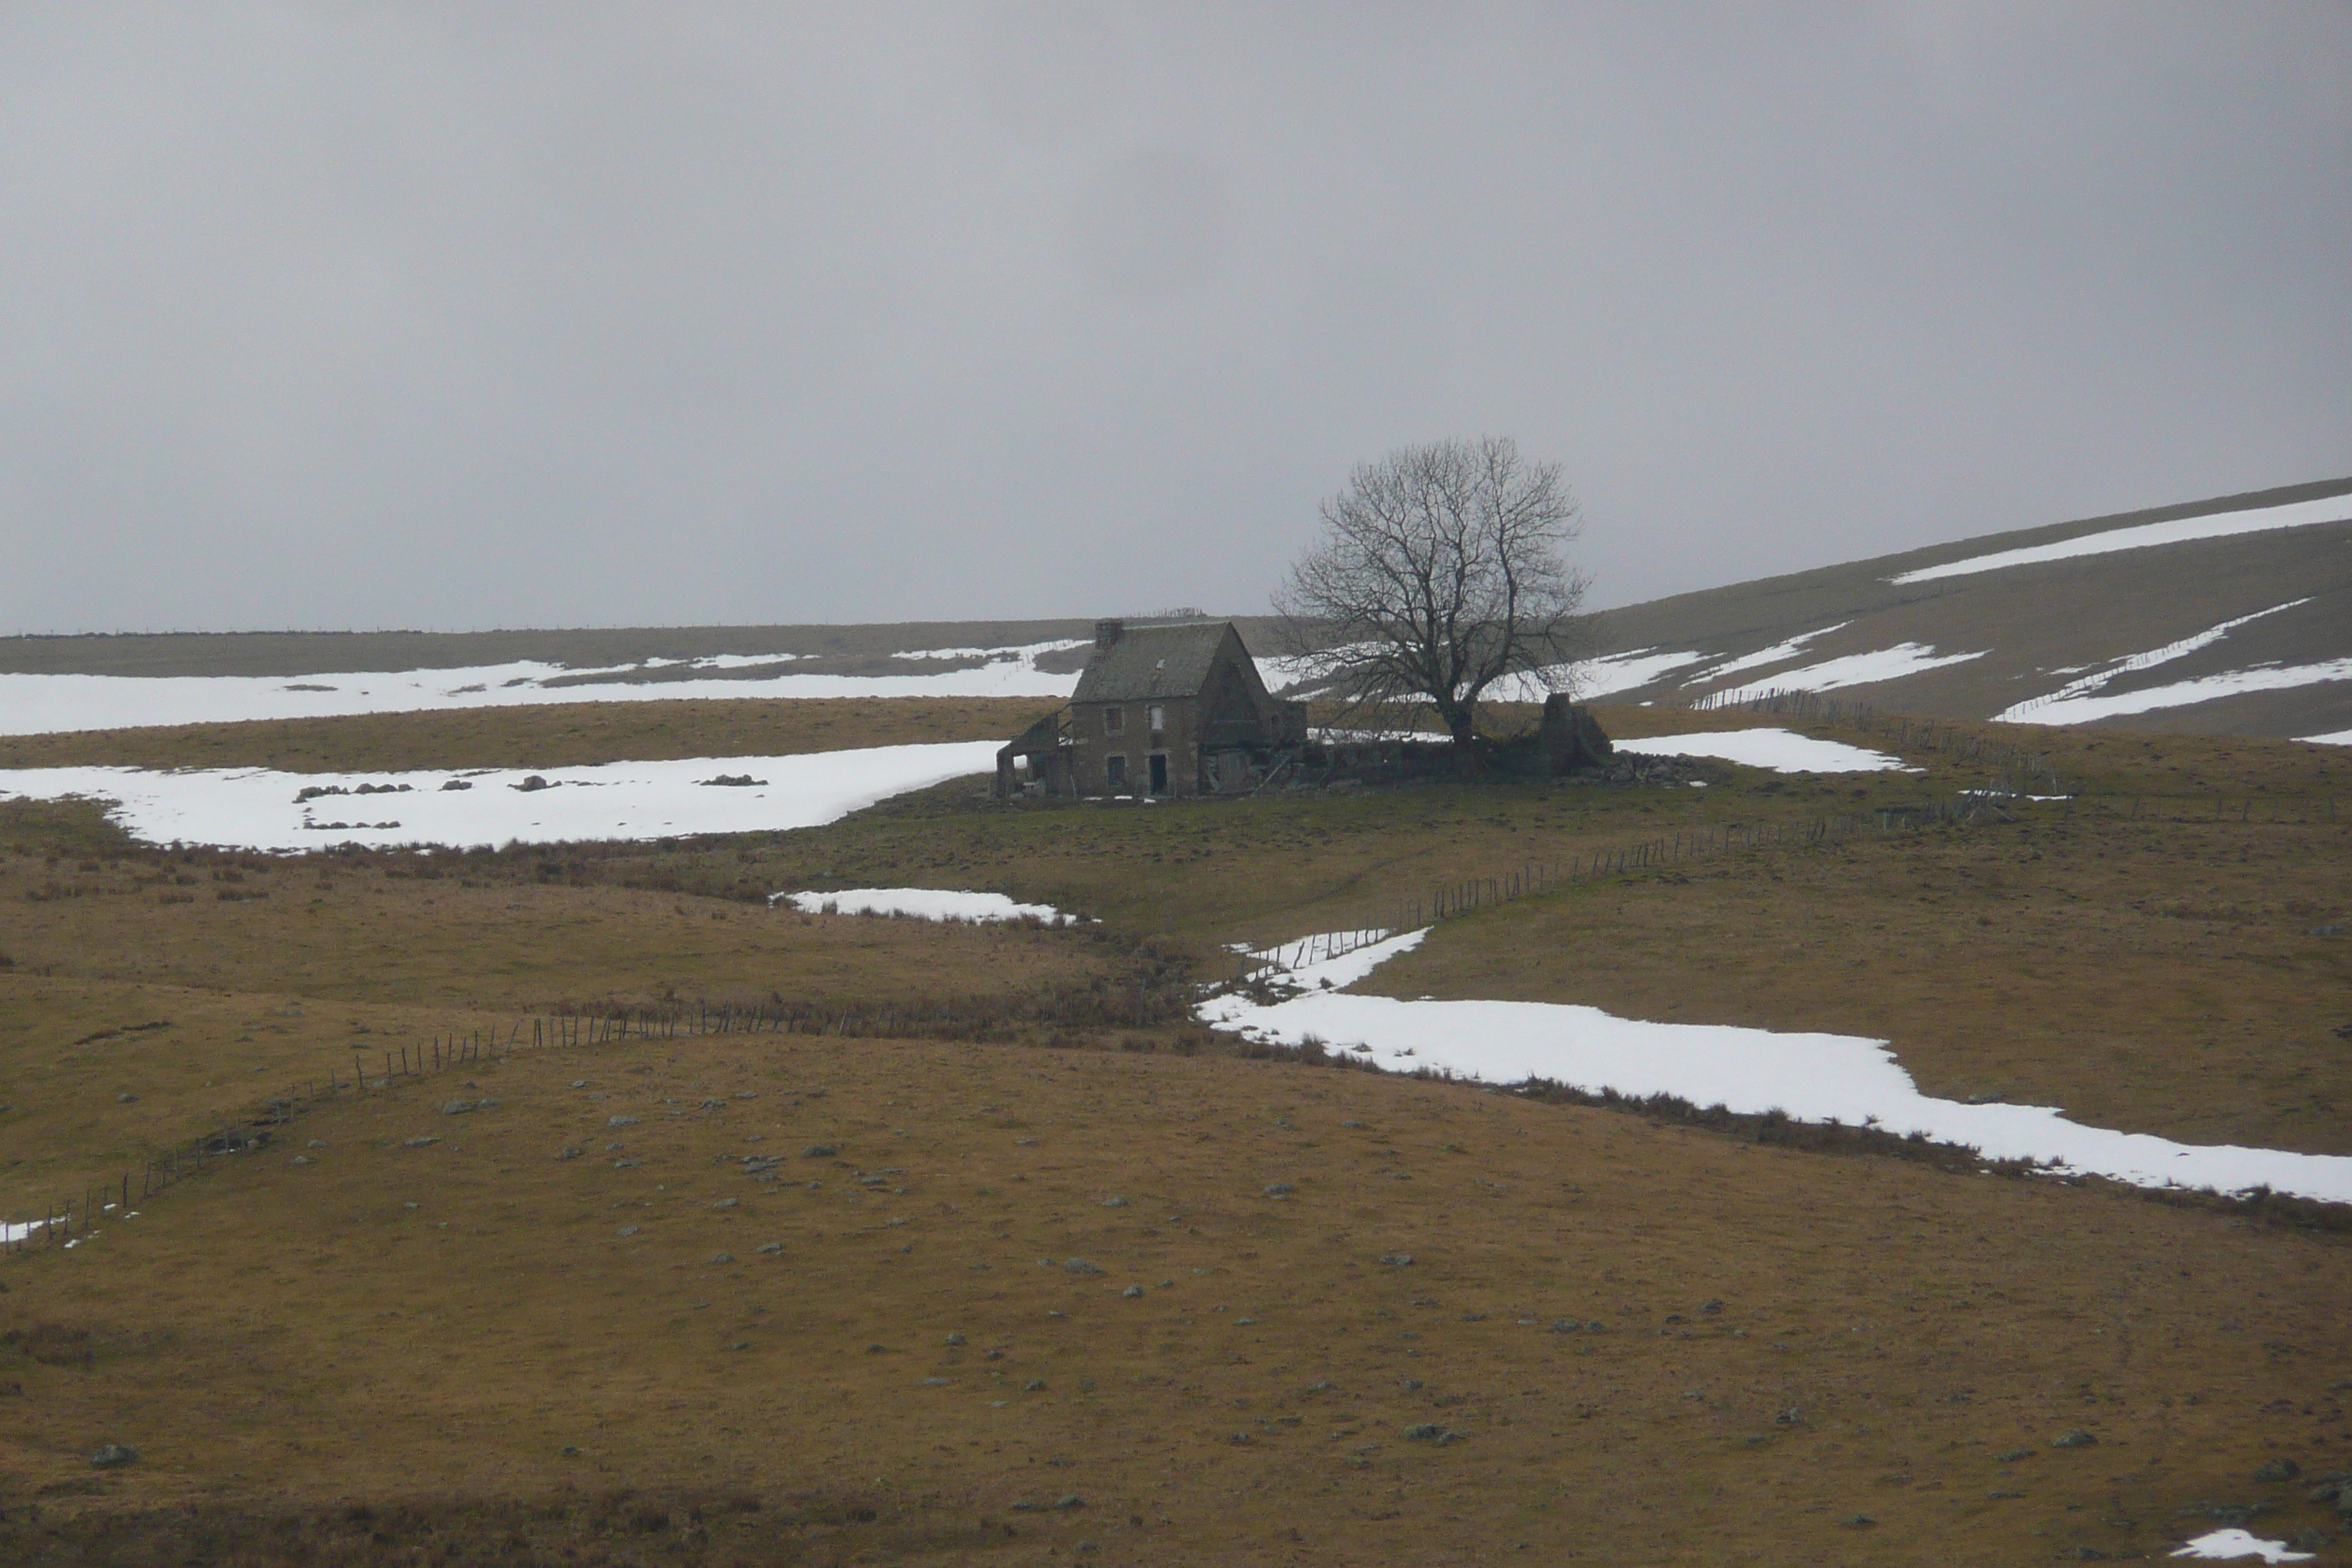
[(260, 808), (49, 704), (1810, 1076)]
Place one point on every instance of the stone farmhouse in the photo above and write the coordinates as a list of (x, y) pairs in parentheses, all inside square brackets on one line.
[(1160, 710)]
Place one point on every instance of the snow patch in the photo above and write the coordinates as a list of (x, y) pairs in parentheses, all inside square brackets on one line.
[(2212, 525), (2335, 738), (1782, 750), (2222, 1544), (1331, 960), (1026, 653), (1618, 672), (1810, 1077), (923, 903), (257, 808)]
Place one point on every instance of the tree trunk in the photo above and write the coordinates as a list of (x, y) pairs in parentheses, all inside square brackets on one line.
[(1462, 722)]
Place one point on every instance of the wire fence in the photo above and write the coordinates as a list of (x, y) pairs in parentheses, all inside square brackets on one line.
[(69, 1220)]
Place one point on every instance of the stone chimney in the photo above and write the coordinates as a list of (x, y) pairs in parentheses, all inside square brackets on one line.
[(1108, 632)]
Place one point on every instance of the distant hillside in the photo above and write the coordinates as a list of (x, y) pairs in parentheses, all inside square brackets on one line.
[(2231, 616)]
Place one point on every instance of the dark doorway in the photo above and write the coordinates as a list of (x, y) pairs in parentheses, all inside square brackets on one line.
[(1160, 772)]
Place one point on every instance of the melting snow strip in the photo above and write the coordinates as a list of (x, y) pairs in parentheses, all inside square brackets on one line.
[(1810, 1077), (2212, 525), (1764, 656), (2017, 712), (1905, 659), (2179, 694), (1782, 750)]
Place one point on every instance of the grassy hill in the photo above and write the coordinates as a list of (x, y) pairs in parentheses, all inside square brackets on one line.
[(2036, 625), (890, 1342)]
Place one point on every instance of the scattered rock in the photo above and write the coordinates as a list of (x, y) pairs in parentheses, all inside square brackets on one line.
[(771, 1247), (741, 1345), (2013, 1455), (1034, 1385), (1398, 1259), (1279, 1189), (1114, 1203), (931, 1381), (1565, 1325), (1079, 1265), (732, 781), (1073, 1500), (461, 783), (2311, 1541), (109, 1456), (300, 1160), (316, 1143), (627, 1164), (1354, 1123), (722, 1257), (1859, 1521), (418, 1142), (626, 1230), (1428, 1431), (580, 1083), (1134, 1290), (457, 1107), (532, 783), (2326, 1491), (2278, 1470), (617, 1121), (1792, 1416), (819, 1151), (2077, 1438), (1710, 1308), (125, 1097), (955, 1339), (569, 1152), (727, 1204)]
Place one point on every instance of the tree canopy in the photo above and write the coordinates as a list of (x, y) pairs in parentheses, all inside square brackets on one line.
[(1440, 570)]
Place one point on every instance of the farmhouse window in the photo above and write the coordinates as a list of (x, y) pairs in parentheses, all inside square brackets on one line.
[(1115, 770), (1114, 721), (1159, 716)]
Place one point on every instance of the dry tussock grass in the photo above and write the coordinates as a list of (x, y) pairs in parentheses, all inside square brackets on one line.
[(1920, 1325), (284, 1344)]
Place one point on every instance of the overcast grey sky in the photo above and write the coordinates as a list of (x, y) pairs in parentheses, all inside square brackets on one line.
[(504, 315)]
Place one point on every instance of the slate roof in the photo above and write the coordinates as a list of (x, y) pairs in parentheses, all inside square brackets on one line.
[(1154, 661)]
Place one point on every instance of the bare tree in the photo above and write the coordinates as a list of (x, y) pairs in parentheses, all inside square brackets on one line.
[(1438, 574)]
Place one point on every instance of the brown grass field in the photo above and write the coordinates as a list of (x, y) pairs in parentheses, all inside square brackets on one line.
[(476, 1349)]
